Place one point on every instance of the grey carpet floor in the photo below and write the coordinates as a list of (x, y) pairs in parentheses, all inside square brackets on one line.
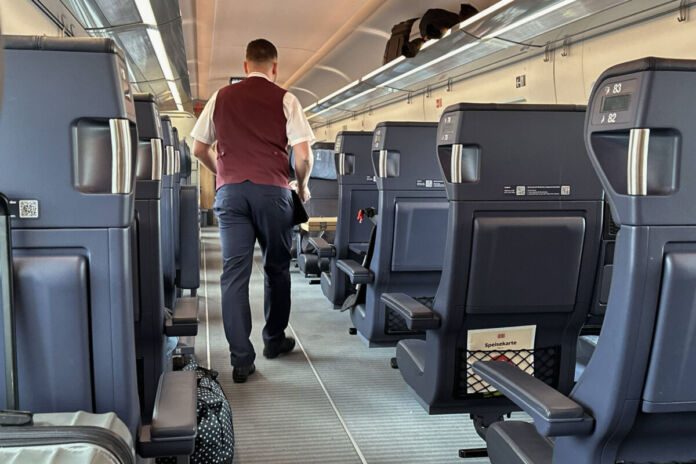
[(332, 400)]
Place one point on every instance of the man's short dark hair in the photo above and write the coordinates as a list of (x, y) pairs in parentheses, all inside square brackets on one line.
[(261, 51)]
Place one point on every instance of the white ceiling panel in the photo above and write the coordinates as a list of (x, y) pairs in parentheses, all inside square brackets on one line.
[(297, 27)]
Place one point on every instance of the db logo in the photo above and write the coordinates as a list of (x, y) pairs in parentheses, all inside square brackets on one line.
[(501, 335)]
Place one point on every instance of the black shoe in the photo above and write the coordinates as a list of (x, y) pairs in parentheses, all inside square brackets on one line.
[(275, 350), (240, 374)]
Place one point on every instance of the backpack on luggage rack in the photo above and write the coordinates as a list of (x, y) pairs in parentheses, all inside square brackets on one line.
[(27, 438), (436, 21), (398, 44)]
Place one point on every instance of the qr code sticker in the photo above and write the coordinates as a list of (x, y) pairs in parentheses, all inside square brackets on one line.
[(28, 209), (565, 190), (521, 190)]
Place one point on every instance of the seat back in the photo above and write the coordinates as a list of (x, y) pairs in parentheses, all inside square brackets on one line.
[(639, 384), (185, 163), (324, 201), (149, 328), (411, 225), (356, 190), (189, 274), (525, 218), (322, 183), (167, 216), (71, 172)]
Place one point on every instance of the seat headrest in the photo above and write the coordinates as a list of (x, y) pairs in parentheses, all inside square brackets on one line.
[(354, 147), (510, 106), (63, 44), (144, 97), (539, 155), (638, 132), (147, 117), (404, 156), (323, 146), (649, 63), (167, 131)]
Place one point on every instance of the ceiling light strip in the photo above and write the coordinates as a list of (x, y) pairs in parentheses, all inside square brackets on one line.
[(148, 18), (482, 14), (428, 64), (383, 68), (528, 19), (342, 102)]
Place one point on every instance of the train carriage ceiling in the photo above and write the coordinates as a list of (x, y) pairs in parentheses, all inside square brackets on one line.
[(322, 44), (151, 35)]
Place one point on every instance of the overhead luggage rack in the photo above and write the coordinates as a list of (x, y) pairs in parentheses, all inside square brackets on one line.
[(506, 31)]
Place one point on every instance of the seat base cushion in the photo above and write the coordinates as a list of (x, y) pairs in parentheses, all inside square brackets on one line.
[(515, 442)]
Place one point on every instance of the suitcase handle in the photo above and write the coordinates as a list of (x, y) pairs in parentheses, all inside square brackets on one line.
[(7, 301)]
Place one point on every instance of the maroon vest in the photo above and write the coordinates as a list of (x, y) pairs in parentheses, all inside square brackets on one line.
[(250, 126)]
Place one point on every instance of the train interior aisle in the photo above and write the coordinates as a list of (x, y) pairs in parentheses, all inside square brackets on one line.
[(332, 399), (485, 210)]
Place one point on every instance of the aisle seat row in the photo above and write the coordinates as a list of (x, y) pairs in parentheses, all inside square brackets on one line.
[(93, 239), (523, 246), (356, 191), (323, 204)]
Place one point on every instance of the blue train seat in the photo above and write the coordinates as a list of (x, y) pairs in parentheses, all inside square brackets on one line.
[(356, 190), (635, 401), (525, 217), (409, 236), (72, 236)]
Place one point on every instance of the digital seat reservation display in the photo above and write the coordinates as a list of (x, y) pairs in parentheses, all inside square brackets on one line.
[(616, 103)]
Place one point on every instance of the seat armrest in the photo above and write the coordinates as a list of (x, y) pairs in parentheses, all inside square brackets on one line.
[(184, 320), (554, 414), (417, 316), (324, 248), (355, 272), (174, 421)]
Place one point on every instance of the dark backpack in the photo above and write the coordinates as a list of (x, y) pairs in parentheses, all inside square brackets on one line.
[(436, 21), (466, 11), (398, 43)]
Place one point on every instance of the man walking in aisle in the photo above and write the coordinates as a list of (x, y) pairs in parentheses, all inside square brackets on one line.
[(253, 121)]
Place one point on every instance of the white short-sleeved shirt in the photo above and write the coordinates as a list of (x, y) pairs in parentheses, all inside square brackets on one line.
[(297, 128)]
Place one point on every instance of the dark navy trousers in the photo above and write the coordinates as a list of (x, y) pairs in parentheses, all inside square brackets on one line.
[(248, 212)]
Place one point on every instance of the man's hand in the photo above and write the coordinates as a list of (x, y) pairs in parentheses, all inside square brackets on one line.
[(304, 194), (206, 155), (304, 160)]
